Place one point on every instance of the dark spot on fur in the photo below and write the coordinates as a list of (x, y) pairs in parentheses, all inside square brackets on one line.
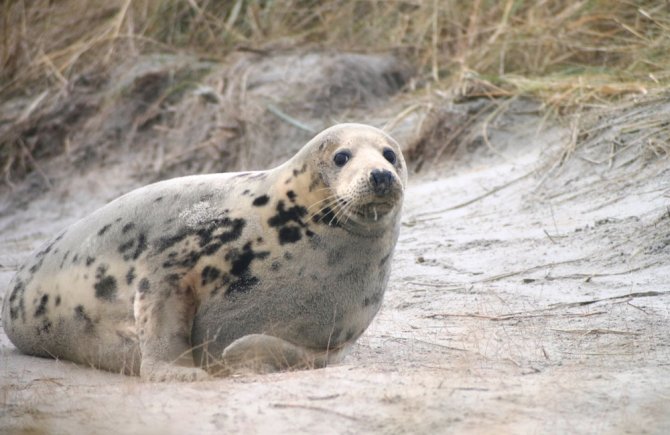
[(139, 244), (207, 233), (314, 183), (126, 246), (89, 260), (35, 267), (144, 285), (350, 335), (223, 282), (284, 216), (57, 300), (16, 303), (240, 261), (289, 234), (188, 260), (302, 170), (242, 285), (167, 242), (104, 229), (75, 259), (288, 256), (261, 200), (42, 307), (105, 285), (209, 274), (45, 328), (130, 276), (246, 192), (385, 259), (211, 249), (140, 247), (372, 300), (275, 266), (309, 233), (48, 247), (173, 278), (335, 256), (127, 227), (62, 263), (81, 316), (240, 267), (159, 199), (291, 195)]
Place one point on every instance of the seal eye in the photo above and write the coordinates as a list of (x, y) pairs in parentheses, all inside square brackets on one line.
[(341, 158), (390, 156)]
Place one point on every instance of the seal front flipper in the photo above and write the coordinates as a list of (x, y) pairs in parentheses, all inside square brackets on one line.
[(260, 353), (164, 313), (160, 371)]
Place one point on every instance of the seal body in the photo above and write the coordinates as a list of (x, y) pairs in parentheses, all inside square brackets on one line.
[(267, 270)]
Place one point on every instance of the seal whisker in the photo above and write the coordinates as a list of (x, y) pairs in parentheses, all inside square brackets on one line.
[(351, 212), (330, 204), (342, 207), (328, 198), (345, 212), (323, 207)]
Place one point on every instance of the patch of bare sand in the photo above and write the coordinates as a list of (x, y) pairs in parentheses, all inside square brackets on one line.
[(542, 307)]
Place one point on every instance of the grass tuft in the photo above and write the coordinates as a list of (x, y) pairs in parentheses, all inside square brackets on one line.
[(563, 51)]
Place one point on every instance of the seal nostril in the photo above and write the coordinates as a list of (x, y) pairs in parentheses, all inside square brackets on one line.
[(381, 181)]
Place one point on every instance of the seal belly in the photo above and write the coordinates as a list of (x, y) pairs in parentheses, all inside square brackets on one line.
[(323, 309)]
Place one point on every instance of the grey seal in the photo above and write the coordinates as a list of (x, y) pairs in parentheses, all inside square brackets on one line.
[(213, 274)]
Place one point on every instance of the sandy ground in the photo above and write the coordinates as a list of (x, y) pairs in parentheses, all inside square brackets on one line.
[(521, 301)]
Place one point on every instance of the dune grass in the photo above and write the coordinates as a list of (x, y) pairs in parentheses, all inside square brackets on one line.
[(568, 54), (561, 51)]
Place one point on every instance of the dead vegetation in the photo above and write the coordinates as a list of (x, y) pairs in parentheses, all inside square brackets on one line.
[(59, 62)]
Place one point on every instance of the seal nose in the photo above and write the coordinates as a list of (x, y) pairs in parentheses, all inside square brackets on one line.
[(381, 181)]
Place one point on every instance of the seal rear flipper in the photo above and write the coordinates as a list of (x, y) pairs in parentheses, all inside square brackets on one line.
[(160, 371), (260, 353)]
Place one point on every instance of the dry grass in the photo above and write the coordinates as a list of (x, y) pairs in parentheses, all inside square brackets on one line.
[(559, 50), (568, 54)]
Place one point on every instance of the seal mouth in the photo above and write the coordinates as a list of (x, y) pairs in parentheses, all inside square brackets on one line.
[(373, 211)]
